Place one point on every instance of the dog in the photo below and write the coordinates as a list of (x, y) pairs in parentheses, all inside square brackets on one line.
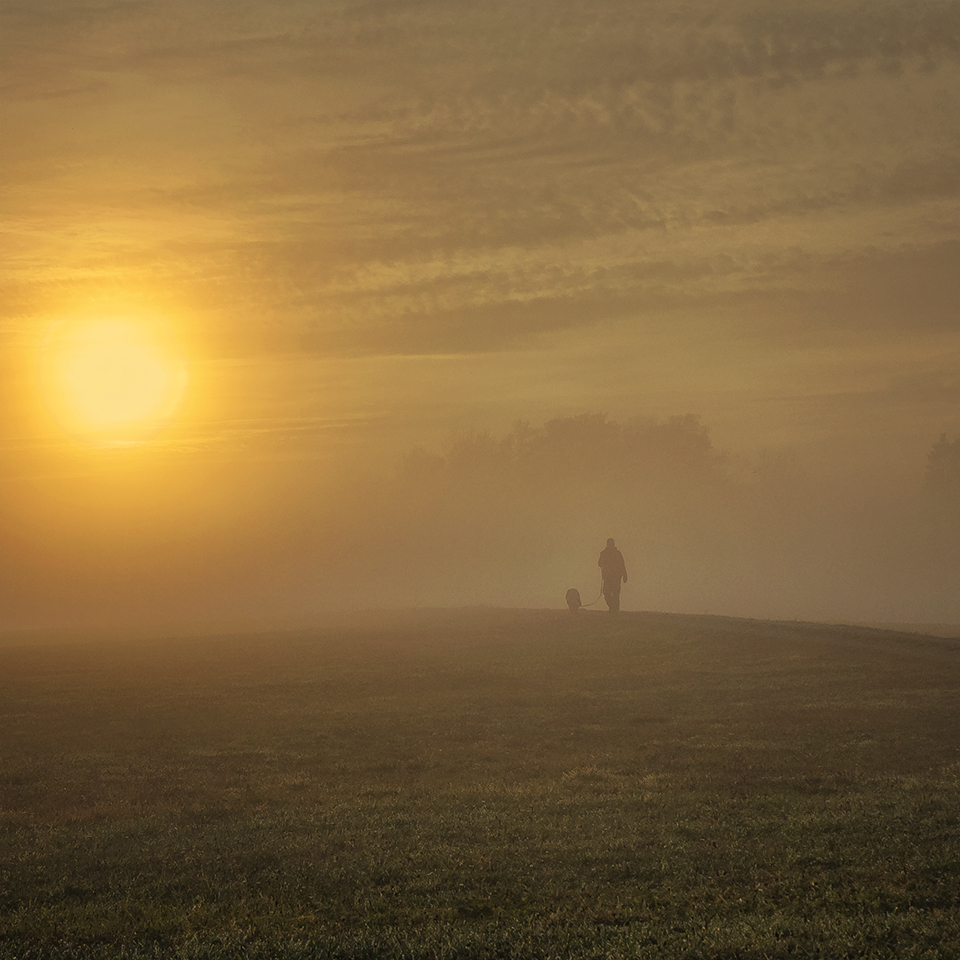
[(573, 600)]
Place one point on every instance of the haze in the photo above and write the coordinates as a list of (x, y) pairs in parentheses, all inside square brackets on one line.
[(461, 290)]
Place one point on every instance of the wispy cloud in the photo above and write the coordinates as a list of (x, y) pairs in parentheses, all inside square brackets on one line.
[(348, 178)]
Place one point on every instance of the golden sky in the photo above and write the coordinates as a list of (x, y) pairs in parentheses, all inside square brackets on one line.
[(361, 226)]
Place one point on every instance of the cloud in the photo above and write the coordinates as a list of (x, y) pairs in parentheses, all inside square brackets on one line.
[(369, 178)]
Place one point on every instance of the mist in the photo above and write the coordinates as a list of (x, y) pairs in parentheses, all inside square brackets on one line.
[(510, 519), (447, 282), (516, 519)]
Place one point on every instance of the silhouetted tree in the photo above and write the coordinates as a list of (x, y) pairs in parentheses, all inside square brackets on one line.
[(943, 469), (587, 448), (591, 448)]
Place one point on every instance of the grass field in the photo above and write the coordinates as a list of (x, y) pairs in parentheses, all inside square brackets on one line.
[(483, 784)]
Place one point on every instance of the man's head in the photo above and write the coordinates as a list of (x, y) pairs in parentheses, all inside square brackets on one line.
[(610, 542)]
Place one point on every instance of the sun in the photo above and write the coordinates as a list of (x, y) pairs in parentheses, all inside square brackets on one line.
[(113, 379)]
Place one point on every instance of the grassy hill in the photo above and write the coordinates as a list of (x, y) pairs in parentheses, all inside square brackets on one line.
[(483, 784)]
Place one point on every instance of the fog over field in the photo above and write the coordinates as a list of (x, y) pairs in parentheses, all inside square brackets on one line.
[(507, 520), (314, 306)]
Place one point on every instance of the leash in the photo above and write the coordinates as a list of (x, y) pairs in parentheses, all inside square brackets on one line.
[(599, 595)]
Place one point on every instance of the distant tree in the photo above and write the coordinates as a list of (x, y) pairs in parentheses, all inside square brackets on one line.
[(591, 448), (943, 469), (572, 460)]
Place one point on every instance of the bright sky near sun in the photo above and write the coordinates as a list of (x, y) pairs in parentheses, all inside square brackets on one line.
[(248, 242), (109, 378)]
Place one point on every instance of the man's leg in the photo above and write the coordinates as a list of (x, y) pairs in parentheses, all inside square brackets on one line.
[(611, 593)]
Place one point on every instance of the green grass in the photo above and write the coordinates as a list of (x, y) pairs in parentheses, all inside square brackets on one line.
[(493, 784)]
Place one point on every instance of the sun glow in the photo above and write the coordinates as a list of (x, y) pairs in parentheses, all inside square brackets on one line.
[(114, 379)]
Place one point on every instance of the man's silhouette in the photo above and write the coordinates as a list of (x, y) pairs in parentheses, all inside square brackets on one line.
[(613, 570)]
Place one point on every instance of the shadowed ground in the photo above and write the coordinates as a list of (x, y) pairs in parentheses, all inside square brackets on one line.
[(483, 784)]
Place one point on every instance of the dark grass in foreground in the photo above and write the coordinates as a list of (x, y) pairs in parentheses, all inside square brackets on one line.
[(500, 784)]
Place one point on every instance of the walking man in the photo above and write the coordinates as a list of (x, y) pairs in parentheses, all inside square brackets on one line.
[(613, 570)]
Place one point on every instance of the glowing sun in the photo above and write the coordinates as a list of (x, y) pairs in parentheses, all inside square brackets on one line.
[(112, 378)]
